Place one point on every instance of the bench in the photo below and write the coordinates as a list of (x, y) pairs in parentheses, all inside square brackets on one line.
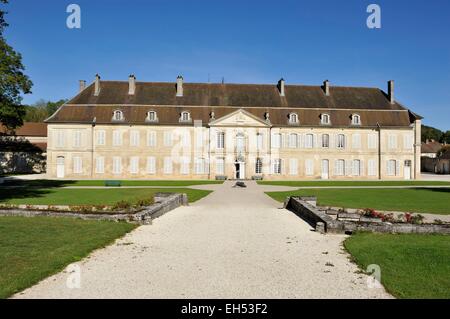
[(113, 183)]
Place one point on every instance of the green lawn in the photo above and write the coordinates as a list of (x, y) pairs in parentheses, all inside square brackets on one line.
[(32, 249), (421, 200), (353, 183), (61, 183), (412, 266), (67, 196)]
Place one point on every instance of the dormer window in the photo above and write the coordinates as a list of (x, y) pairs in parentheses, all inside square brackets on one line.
[(185, 117), (356, 119), (293, 118), (325, 119), (152, 116), (118, 115)]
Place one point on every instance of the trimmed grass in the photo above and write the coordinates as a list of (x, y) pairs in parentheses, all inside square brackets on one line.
[(420, 200), (412, 266), (61, 183), (353, 183), (32, 249), (67, 196)]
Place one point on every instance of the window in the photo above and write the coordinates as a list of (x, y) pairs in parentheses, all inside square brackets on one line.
[(258, 166), (117, 115), (372, 141), (276, 166), (259, 141), (77, 165), (356, 168), (220, 140), (76, 138), (276, 140), (200, 166), (168, 140), (198, 132), (60, 138), (117, 138), (167, 165), (100, 165), (184, 166), (325, 140), (151, 139), (134, 165), (101, 137), (185, 139), (372, 168), (392, 168), (117, 165), (152, 116), (356, 141), (340, 141), (293, 118), (134, 138), (220, 166), (356, 119), (309, 141), (293, 140), (392, 141), (339, 168), (185, 117), (293, 166), (240, 142), (151, 165), (309, 167), (408, 142), (325, 119)]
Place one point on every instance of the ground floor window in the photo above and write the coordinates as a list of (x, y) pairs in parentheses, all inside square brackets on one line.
[(117, 165), (309, 167), (184, 168), (77, 165), (200, 166), (372, 167), (151, 165), (276, 166), (100, 165), (167, 165), (392, 168), (356, 168), (339, 167), (293, 166), (220, 166), (134, 165), (258, 166)]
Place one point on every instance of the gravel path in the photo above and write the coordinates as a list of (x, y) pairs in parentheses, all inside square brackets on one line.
[(235, 243)]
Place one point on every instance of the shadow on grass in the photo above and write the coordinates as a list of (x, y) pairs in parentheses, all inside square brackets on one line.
[(16, 188), (438, 190)]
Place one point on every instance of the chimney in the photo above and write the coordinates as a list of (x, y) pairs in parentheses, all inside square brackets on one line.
[(131, 84), (82, 85), (281, 83), (97, 85), (391, 91), (179, 85), (326, 87)]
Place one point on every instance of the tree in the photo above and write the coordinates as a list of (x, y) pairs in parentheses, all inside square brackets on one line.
[(430, 133), (445, 138), (41, 110), (13, 82)]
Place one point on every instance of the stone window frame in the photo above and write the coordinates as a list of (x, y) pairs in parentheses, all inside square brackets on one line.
[(324, 116), (182, 119), (356, 119), (155, 119), (293, 119), (118, 116)]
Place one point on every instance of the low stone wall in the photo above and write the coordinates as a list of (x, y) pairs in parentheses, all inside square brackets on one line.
[(305, 208), (164, 202)]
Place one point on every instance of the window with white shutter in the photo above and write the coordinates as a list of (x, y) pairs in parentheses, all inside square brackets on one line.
[(134, 165), (117, 165), (372, 167), (77, 165), (151, 139), (309, 141), (293, 140), (356, 141), (151, 165), (185, 139), (168, 140), (356, 168), (408, 142), (134, 138), (293, 166), (101, 137), (392, 141), (325, 140), (198, 137), (276, 166), (372, 141), (220, 140), (259, 141), (76, 138), (168, 165), (100, 165), (309, 167), (391, 167), (258, 166), (199, 166), (220, 166), (60, 138), (184, 166), (276, 140), (340, 142), (339, 167), (117, 138)]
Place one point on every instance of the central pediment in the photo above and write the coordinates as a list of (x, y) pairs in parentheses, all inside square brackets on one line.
[(240, 118)]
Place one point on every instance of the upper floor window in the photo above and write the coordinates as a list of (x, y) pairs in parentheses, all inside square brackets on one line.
[(118, 115), (325, 140), (185, 117), (340, 143), (293, 118), (152, 116), (220, 140), (325, 119), (356, 119)]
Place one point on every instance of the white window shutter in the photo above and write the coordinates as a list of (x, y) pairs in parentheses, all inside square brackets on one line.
[(331, 140), (348, 167), (315, 141), (397, 168), (362, 168)]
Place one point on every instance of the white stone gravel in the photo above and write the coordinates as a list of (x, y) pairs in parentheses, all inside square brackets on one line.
[(235, 243)]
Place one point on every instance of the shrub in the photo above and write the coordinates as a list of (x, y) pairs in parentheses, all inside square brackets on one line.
[(144, 202), (122, 205)]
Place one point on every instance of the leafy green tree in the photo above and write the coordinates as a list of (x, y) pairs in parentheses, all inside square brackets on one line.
[(445, 137), (430, 133), (13, 82), (41, 110)]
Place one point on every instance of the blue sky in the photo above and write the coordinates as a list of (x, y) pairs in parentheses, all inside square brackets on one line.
[(305, 42)]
